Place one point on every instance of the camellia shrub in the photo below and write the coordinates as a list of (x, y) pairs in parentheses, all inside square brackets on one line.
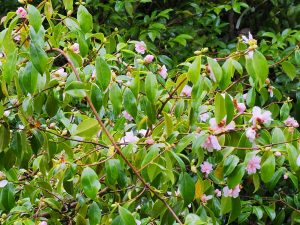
[(96, 129)]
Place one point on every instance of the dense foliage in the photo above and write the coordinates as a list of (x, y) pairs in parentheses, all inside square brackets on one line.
[(143, 112)]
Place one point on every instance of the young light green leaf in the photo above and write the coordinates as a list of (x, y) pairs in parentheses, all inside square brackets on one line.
[(87, 128), (220, 108), (194, 70), (216, 69), (126, 216), (34, 17), (261, 67), (289, 69), (85, 19)]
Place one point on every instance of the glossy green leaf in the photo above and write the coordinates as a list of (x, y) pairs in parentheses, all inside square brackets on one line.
[(129, 102), (115, 96), (112, 170), (220, 108), (87, 128), (216, 68), (186, 187), (126, 216), (236, 176), (34, 17), (268, 168), (261, 67), (103, 73), (94, 214), (194, 70), (90, 183), (289, 69), (96, 96), (85, 19), (230, 164), (38, 57), (151, 87)]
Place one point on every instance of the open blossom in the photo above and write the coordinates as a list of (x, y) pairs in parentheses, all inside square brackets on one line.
[(221, 127), (231, 192), (60, 73), (140, 47), (205, 198), (253, 165), (163, 71), (251, 134), (211, 143), (21, 12), (142, 132), (148, 59), (241, 107), (43, 223), (129, 138), (259, 116), (218, 193), (3, 183), (206, 168), (291, 122), (277, 153), (75, 48), (203, 117), (186, 91), (127, 116)]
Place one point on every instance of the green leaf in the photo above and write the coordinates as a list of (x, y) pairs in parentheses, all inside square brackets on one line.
[(284, 111), (38, 57), (289, 69), (251, 95), (169, 124), (9, 67), (115, 96), (261, 67), (236, 176), (94, 214), (184, 142), (29, 78), (229, 109), (292, 156), (236, 209), (129, 102), (87, 128), (126, 216), (7, 199), (103, 73), (4, 137), (151, 87), (226, 205), (34, 17), (229, 164), (76, 89), (277, 136), (112, 170), (220, 108), (258, 211), (186, 187), (271, 212), (90, 183), (268, 167), (85, 19), (194, 70), (216, 69), (68, 4), (96, 96)]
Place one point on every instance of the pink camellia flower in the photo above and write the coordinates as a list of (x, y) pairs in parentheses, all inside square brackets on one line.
[(241, 107), (211, 143), (218, 193), (43, 223), (251, 134), (60, 73), (129, 138), (291, 122), (142, 132), (186, 91), (260, 117), (203, 117), (75, 48), (285, 176), (206, 168), (277, 153), (206, 198), (127, 116), (3, 183), (247, 39), (140, 47), (231, 192), (21, 12), (253, 165), (162, 70), (148, 59), (221, 127)]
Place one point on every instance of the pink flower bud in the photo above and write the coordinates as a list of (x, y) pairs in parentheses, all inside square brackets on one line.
[(21, 12), (148, 59)]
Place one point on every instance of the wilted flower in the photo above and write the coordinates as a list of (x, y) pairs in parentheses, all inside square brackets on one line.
[(140, 47), (259, 116), (21, 12), (127, 115), (211, 143), (251, 134), (129, 138), (218, 193), (148, 59), (205, 198), (162, 70), (206, 168), (186, 91), (75, 48), (291, 122), (221, 127), (231, 192), (253, 165)]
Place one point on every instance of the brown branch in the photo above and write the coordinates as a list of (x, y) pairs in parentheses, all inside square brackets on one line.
[(110, 137)]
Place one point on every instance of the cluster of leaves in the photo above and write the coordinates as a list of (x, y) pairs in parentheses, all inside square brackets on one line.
[(95, 130)]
